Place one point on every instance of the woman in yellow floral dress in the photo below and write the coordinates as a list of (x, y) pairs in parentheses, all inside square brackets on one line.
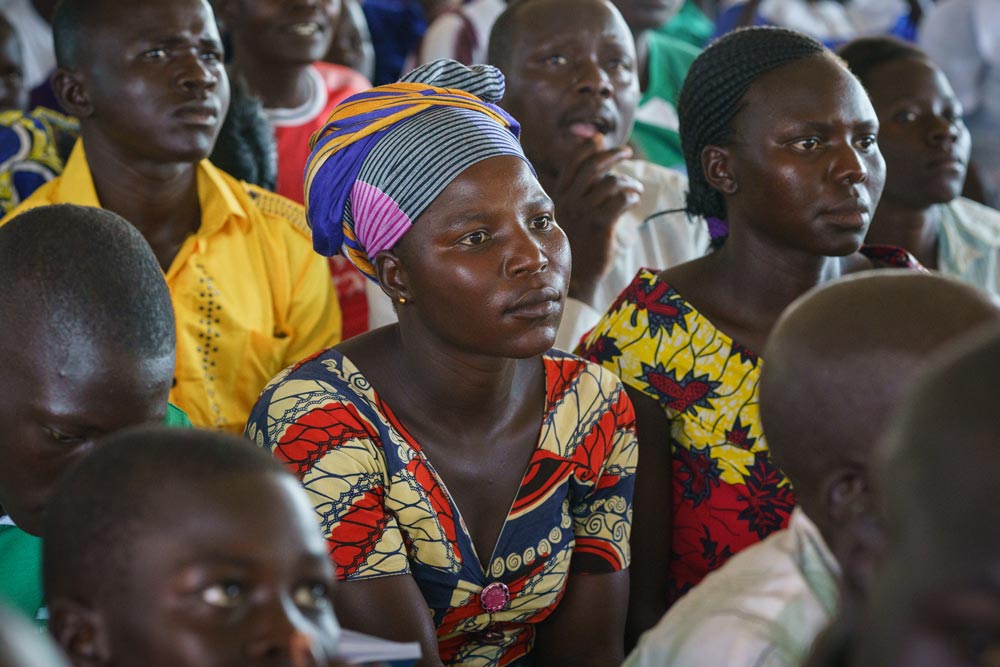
[(780, 143)]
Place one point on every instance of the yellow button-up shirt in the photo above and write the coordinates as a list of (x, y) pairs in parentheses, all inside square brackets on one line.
[(250, 295)]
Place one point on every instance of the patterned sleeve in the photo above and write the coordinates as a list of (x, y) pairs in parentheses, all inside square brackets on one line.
[(602, 517), (326, 437)]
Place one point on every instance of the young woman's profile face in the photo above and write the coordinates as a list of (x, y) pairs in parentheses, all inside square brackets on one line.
[(805, 161), (925, 143), (486, 266)]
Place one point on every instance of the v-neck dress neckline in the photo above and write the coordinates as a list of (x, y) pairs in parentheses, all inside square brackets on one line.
[(384, 511)]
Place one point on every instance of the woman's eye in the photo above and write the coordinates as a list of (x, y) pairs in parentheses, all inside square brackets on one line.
[(556, 59), (907, 116), (475, 238), (225, 595), (542, 222), (810, 144), (211, 56), (312, 596)]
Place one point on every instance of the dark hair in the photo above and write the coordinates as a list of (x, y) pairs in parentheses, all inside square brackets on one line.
[(85, 273), (865, 54), (110, 498), (70, 19), (245, 147), (714, 89), (498, 51)]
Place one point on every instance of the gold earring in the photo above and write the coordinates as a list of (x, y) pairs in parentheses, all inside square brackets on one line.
[(402, 299)]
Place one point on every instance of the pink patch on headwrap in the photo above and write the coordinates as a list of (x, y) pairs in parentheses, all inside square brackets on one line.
[(378, 222)]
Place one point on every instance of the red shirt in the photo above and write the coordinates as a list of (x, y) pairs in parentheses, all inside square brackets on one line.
[(292, 131)]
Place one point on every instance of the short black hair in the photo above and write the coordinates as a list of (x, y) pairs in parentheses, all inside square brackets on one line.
[(498, 52), (713, 91), (111, 497), (71, 19), (865, 54), (85, 273)]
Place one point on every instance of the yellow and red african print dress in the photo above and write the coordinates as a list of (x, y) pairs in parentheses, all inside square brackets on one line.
[(727, 494), (384, 510)]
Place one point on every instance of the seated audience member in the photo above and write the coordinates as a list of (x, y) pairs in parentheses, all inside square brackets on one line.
[(523, 556), (351, 45), (926, 150), (690, 24), (462, 34), (13, 91), (934, 601), (33, 150), (30, 21), (21, 645), (87, 341), (572, 85), (150, 90), (277, 47), (963, 38), (277, 50), (186, 549), (661, 63), (396, 28), (784, 149), (767, 604)]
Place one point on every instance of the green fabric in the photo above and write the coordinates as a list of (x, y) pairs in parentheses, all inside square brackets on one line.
[(689, 25), (656, 128), (176, 417), (21, 571)]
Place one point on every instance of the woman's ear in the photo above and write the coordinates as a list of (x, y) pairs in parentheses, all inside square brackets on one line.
[(392, 278), (80, 632), (71, 93), (717, 167)]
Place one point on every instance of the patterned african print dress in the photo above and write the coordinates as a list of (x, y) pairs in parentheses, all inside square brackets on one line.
[(384, 510), (727, 494)]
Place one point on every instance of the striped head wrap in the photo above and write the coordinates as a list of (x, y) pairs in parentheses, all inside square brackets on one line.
[(385, 154)]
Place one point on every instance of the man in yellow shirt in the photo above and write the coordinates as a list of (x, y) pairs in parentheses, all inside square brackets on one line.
[(146, 80)]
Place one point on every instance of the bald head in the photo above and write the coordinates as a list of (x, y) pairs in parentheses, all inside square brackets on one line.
[(839, 361), (936, 596), (941, 460)]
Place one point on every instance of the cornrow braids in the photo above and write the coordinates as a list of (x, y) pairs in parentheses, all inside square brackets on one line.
[(714, 89), (865, 54)]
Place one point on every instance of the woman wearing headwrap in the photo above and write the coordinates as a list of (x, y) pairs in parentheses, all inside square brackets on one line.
[(522, 558)]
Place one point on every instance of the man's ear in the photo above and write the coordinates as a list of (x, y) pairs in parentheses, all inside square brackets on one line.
[(391, 274), (717, 167), (71, 93), (80, 632)]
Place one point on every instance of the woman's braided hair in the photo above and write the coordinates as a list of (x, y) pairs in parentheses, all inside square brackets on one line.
[(712, 93)]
